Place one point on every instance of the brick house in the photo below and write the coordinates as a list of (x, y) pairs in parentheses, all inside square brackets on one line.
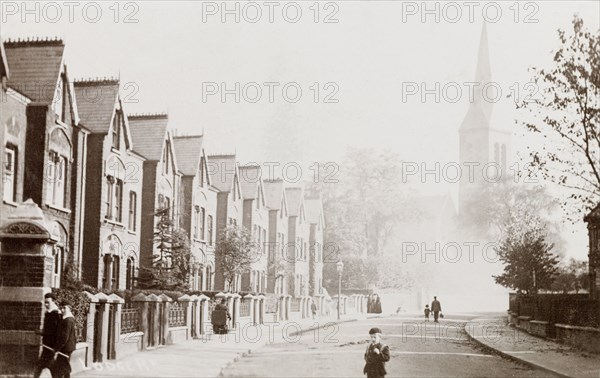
[(276, 202), (316, 220), (224, 176), (54, 165), (198, 208), (113, 188), (297, 247), (13, 125), (160, 179), (255, 217)]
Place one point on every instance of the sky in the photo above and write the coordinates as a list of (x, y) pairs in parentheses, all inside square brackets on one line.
[(353, 62)]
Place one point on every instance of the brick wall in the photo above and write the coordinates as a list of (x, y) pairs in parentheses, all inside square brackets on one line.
[(24, 271)]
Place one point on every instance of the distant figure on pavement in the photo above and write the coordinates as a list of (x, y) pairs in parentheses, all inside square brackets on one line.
[(436, 307), (376, 356), (313, 308), (65, 343), (377, 305), (49, 335), (223, 306), (427, 311)]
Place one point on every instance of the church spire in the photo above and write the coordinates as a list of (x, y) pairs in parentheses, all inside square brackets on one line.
[(480, 110)]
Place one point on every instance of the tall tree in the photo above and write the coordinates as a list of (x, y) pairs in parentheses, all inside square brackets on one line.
[(235, 253), (568, 117), (497, 207)]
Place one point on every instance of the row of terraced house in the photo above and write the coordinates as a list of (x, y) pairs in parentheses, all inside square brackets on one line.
[(99, 174), (82, 180)]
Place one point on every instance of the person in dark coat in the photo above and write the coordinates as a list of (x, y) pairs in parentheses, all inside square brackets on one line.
[(377, 305), (436, 308), (223, 306), (376, 355), (65, 344), (52, 318)]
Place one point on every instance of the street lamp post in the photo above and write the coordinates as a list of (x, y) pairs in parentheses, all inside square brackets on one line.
[(340, 269)]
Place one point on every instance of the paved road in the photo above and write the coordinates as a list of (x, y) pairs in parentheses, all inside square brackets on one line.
[(417, 350)]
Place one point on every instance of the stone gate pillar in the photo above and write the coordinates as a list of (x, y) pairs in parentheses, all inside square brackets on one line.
[(26, 265), (593, 221)]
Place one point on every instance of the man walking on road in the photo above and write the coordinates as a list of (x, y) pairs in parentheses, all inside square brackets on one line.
[(436, 308)]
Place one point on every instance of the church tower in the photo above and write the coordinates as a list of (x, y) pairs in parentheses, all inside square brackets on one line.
[(483, 149)]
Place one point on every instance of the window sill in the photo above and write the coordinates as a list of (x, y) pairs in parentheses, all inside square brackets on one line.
[(114, 223), (115, 150), (61, 209), (10, 203), (132, 232)]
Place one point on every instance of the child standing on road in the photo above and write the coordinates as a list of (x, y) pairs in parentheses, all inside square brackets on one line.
[(427, 311), (376, 356)]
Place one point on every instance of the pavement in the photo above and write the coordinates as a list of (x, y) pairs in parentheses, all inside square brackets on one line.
[(214, 352), (561, 360)]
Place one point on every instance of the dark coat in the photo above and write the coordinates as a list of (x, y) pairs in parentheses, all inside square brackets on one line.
[(375, 362), (51, 321), (66, 336), (223, 307), (436, 306)]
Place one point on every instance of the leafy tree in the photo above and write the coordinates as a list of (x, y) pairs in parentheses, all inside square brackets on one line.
[(358, 273), (235, 253), (496, 207), (572, 277), (568, 117), (172, 258), (363, 211), (529, 264)]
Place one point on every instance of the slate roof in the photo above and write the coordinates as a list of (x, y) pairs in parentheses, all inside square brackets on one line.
[(221, 170), (250, 177), (188, 150), (35, 67), (148, 132), (96, 102), (274, 193), (294, 199), (313, 210)]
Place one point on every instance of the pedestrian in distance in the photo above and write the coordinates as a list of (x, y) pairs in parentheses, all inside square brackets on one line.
[(65, 344), (376, 355), (427, 311), (52, 318), (377, 305), (436, 307), (313, 308)]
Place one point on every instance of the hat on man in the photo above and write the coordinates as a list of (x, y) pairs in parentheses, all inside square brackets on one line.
[(373, 331)]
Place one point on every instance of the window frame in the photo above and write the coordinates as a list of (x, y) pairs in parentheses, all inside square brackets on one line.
[(11, 150)]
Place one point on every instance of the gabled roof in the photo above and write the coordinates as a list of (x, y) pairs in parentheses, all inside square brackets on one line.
[(295, 198), (313, 207), (189, 153), (148, 132), (4, 72), (250, 182), (274, 194), (594, 215), (96, 102), (223, 173), (35, 67)]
